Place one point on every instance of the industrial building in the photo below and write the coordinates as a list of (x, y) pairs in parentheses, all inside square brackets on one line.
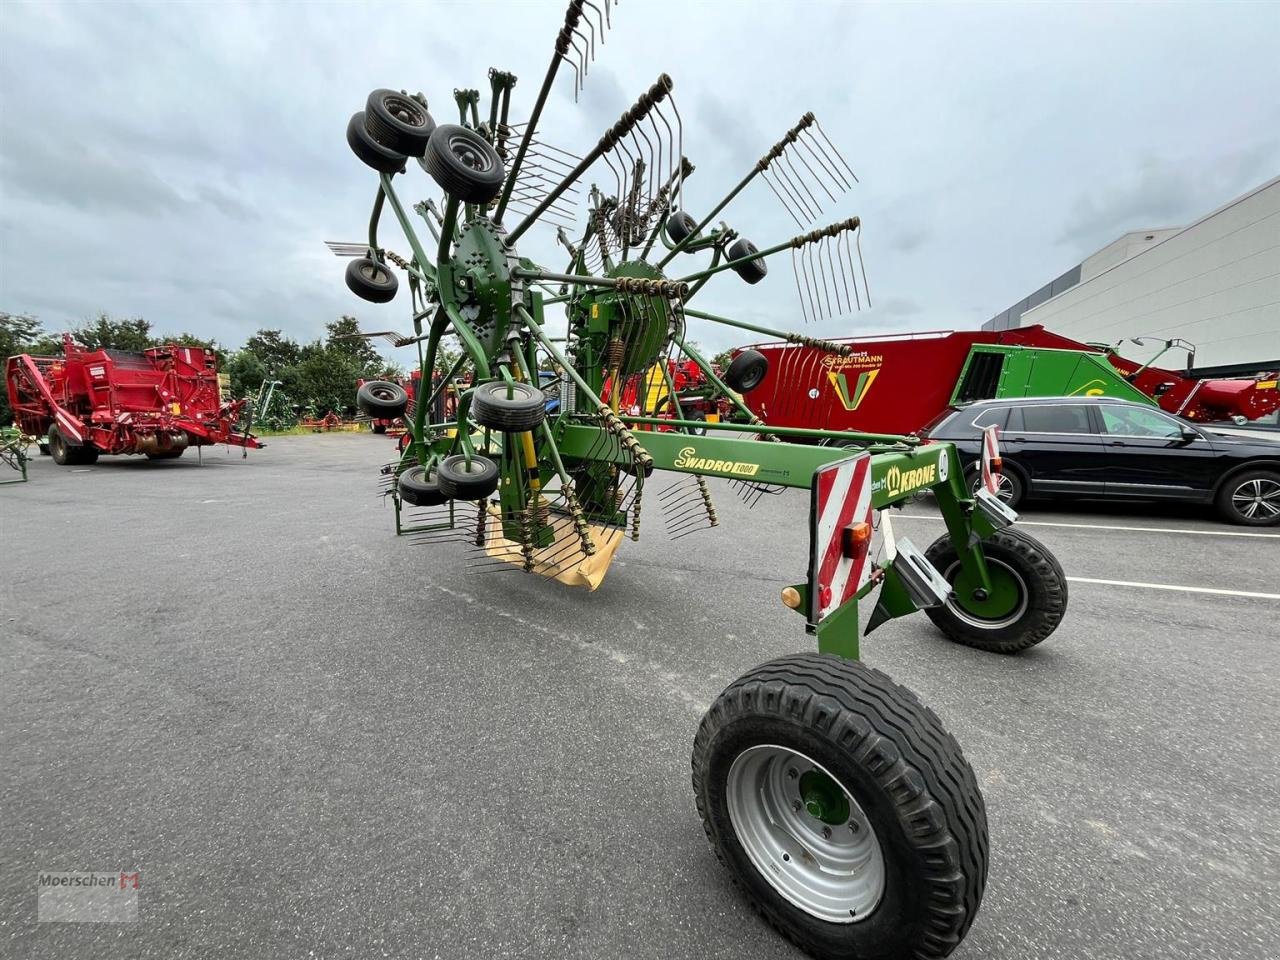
[(1214, 284)]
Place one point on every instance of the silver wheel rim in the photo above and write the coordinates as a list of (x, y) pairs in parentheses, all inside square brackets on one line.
[(1004, 487), (982, 623), (1257, 499), (834, 872)]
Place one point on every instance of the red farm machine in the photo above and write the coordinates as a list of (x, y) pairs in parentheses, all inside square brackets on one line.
[(90, 402), (897, 384)]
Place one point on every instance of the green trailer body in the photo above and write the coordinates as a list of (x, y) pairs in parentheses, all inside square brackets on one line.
[(995, 371)]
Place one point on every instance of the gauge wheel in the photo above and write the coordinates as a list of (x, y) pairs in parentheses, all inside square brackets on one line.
[(509, 407), (1027, 601), (1008, 485), (370, 151), (747, 370), (752, 271), (842, 808), (419, 488), (1251, 498), (467, 478), (464, 164), (382, 399), (680, 226), (370, 280), (398, 121)]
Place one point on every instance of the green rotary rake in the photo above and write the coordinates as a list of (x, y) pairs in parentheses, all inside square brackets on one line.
[(844, 810)]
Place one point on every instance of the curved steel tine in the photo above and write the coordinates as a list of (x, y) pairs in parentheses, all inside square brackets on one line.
[(836, 151), (817, 179), (841, 309), (809, 283), (678, 192), (822, 269), (764, 175), (815, 150), (800, 180), (804, 313), (784, 177), (796, 202), (844, 274), (671, 146), (866, 289)]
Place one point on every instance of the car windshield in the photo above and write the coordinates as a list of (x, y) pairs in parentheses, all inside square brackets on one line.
[(936, 425), (1124, 421)]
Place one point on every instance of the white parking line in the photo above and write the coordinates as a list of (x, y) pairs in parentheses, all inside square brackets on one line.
[(1170, 586), (1102, 526)]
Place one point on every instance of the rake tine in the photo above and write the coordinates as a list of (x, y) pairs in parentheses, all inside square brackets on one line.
[(814, 148), (836, 151), (817, 179), (806, 258), (844, 275), (764, 175), (858, 243), (803, 311), (786, 158), (841, 309), (789, 188)]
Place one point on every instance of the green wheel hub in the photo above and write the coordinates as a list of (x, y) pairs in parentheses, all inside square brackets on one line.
[(823, 798), (1003, 603)]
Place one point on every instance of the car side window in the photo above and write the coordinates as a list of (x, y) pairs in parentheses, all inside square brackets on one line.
[(991, 418), (1137, 422), (1056, 418)]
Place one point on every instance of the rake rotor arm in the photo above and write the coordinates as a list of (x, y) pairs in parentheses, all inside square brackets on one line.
[(828, 346), (798, 241), (386, 191), (761, 165), (626, 123), (719, 384), (563, 41)]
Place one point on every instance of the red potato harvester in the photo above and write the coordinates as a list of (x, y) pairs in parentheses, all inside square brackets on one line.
[(91, 402)]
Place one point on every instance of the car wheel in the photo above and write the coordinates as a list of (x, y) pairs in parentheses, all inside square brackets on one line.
[(1251, 498), (1008, 486)]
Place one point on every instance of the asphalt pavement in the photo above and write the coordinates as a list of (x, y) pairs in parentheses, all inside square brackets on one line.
[(314, 739)]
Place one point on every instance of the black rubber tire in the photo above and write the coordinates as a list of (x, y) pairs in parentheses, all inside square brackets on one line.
[(464, 164), (418, 489), (680, 225), (1226, 506), (747, 370), (370, 280), (462, 481), (752, 271), (894, 757), (382, 399), (1017, 490), (1039, 571), (378, 428), (85, 455), (59, 449), (43, 447), (398, 121), (519, 413), (370, 151)]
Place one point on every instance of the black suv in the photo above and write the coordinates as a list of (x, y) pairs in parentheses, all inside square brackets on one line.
[(1103, 448)]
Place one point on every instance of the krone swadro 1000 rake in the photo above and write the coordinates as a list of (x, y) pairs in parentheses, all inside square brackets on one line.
[(842, 807)]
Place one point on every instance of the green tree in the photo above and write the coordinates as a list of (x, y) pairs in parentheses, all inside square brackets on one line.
[(342, 339), (275, 351), (246, 372), (325, 378), (17, 332), (106, 333), (723, 358)]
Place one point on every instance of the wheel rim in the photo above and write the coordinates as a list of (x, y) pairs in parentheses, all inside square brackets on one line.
[(511, 391), (385, 394), (469, 154), (1004, 604), (1257, 499), (409, 112), (374, 274), (805, 833), (1004, 486)]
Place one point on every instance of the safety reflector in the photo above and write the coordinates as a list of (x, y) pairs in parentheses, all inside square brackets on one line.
[(839, 533), (991, 462)]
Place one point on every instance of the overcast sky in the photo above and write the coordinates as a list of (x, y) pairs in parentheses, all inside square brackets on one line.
[(184, 161)]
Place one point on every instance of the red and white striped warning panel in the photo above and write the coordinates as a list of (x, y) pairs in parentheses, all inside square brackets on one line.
[(839, 533), (990, 458)]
